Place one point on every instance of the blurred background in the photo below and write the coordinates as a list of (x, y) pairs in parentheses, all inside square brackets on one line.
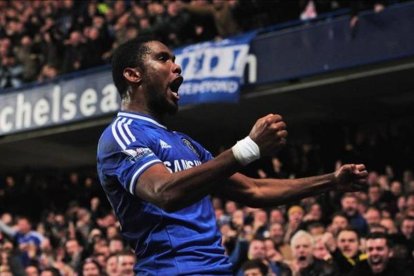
[(339, 72)]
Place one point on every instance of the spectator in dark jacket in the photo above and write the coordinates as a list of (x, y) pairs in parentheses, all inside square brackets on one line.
[(380, 260), (349, 204), (347, 253), (74, 53)]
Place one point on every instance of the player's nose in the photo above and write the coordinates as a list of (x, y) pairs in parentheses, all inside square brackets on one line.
[(176, 68)]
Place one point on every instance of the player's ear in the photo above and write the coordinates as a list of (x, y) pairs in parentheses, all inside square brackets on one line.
[(132, 75)]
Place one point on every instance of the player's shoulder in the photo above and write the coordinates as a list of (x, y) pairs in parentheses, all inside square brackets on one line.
[(126, 131), (123, 130)]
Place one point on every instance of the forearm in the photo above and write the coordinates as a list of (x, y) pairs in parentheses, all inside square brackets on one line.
[(272, 192), (282, 191)]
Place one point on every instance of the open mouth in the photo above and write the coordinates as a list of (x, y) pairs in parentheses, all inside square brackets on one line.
[(376, 261), (302, 258), (175, 84)]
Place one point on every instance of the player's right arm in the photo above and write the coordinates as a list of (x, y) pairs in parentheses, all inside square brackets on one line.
[(173, 191)]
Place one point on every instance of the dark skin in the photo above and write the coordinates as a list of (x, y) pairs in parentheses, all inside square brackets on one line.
[(152, 92)]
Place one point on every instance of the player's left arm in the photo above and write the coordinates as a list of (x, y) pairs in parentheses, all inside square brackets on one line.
[(271, 192)]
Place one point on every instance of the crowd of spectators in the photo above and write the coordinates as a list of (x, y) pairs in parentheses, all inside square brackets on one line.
[(42, 39), (60, 223)]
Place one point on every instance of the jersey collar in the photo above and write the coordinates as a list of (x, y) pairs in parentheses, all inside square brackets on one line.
[(140, 117)]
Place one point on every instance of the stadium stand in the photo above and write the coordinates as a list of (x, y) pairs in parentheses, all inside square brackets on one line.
[(55, 217)]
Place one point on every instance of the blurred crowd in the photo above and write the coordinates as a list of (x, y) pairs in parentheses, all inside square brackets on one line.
[(40, 39), (60, 223)]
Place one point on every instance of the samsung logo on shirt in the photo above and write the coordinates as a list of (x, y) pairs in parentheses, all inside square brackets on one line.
[(181, 164)]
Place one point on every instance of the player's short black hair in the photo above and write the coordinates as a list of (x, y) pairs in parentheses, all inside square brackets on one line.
[(130, 54)]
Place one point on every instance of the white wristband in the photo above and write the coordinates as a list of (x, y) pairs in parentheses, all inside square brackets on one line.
[(246, 151)]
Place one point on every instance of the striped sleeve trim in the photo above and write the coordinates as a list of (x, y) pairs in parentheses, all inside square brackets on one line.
[(133, 182), (122, 133)]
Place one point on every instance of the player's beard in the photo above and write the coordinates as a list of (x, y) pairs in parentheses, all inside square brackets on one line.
[(158, 102)]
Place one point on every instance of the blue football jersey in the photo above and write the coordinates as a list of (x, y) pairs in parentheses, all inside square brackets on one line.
[(185, 242)]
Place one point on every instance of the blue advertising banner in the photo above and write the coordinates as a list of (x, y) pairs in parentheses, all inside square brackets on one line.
[(213, 71), (55, 104), (330, 45)]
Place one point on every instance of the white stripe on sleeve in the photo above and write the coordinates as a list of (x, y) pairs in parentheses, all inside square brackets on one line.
[(128, 131), (121, 131), (133, 180), (115, 134)]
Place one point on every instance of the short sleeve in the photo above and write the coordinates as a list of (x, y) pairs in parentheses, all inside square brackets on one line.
[(134, 160)]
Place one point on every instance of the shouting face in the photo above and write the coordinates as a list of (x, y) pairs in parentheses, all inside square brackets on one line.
[(378, 254), (302, 250), (161, 79)]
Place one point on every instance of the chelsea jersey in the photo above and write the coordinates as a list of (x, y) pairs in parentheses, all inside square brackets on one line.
[(184, 242)]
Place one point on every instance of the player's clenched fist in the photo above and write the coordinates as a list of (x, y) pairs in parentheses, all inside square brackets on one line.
[(269, 133), (350, 177), (266, 137)]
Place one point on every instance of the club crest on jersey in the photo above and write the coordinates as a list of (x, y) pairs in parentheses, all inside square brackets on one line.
[(190, 146)]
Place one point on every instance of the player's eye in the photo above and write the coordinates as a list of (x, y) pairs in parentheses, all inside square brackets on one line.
[(163, 57)]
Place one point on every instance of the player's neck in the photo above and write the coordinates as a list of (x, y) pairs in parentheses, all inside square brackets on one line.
[(142, 109), (136, 102)]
